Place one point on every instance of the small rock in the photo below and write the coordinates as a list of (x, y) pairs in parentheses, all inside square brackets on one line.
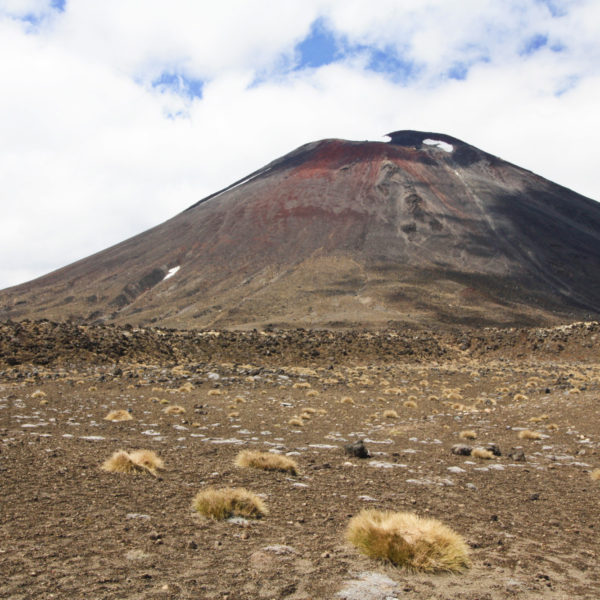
[(461, 450), (517, 454), (357, 449), (494, 449)]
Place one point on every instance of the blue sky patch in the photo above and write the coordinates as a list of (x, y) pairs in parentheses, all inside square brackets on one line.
[(318, 48), (533, 44), (58, 5), (389, 63), (179, 84)]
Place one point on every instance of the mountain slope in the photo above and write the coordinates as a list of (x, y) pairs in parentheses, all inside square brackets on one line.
[(422, 230)]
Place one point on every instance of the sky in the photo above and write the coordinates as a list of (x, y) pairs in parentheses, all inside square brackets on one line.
[(117, 115)]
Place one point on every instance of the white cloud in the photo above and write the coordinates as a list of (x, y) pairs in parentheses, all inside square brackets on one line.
[(91, 153)]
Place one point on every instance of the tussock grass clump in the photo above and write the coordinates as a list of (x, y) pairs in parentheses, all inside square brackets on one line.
[(174, 409), (138, 461), (38, 394), (409, 541), (301, 385), (118, 415), (267, 461), (239, 399), (482, 453), (527, 434), (595, 475), (390, 414), (520, 398), (186, 387), (552, 427), (223, 503), (346, 400), (312, 393), (296, 422), (214, 392), (467, 434), (233, 414), (409, 404)]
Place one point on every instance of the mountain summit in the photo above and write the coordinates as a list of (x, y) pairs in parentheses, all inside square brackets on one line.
[(423, 230)]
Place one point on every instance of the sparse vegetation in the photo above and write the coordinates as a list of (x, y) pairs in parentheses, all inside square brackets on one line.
[(174, 409), (409, 541), (527, 434), (409, 404), (482, 453), (468, 434), (595, 475), (118, 415), (267, 461), (390, 414), (223, 503), (138, 461), (296, 422)]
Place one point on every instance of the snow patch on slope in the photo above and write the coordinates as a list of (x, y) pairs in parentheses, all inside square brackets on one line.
[(445, 146)]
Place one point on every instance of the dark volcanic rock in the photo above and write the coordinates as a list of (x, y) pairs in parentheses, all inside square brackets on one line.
[(357, 449)]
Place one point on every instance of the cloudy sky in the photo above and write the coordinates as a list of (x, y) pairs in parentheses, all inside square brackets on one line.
[(116, 115)]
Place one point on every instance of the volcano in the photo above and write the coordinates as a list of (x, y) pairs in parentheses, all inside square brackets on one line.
[(424, 230)]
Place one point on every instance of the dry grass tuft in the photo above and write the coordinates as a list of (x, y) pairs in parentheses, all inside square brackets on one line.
[(214, 392), (520, 398), (346, 400), (296, 422), (118, 415), (407, 540), (409, 404), (174, 409), (267, 461), (239, 399), (138, 461), (527, 434), (468, 434), (224, 503), (552, 427), (233, 414), (482, 453), (390, 414), (186, 387), (595, 475), (38, 394)]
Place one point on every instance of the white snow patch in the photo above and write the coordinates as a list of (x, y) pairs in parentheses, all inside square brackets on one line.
[(445, 146), (172, 272)]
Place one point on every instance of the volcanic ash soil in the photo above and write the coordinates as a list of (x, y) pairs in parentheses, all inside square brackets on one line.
[(530, 515)]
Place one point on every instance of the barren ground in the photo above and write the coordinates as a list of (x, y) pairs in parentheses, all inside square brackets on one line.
[(70, 530)]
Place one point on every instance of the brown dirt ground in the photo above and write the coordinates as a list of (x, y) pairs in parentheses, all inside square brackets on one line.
[(70, 530)]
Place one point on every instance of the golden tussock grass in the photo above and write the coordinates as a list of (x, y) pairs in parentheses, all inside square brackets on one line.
[(409, 541), (409, 404), (310, 411), (520, 398), (595, 475), (214, 392), (92, 388), (186, 387), (482, 453), (527, 434), (390, 414), (312, 393), (552, 427), (239, 399), (38, 394), (164, 401), (306, 416), (223, 503), (174, 409), (455, 396), (233, 414), (301, 385), (267, 461), (433, 398), (346, 400), (468, 434), (118, 415), (296, 422), (136, 462)]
